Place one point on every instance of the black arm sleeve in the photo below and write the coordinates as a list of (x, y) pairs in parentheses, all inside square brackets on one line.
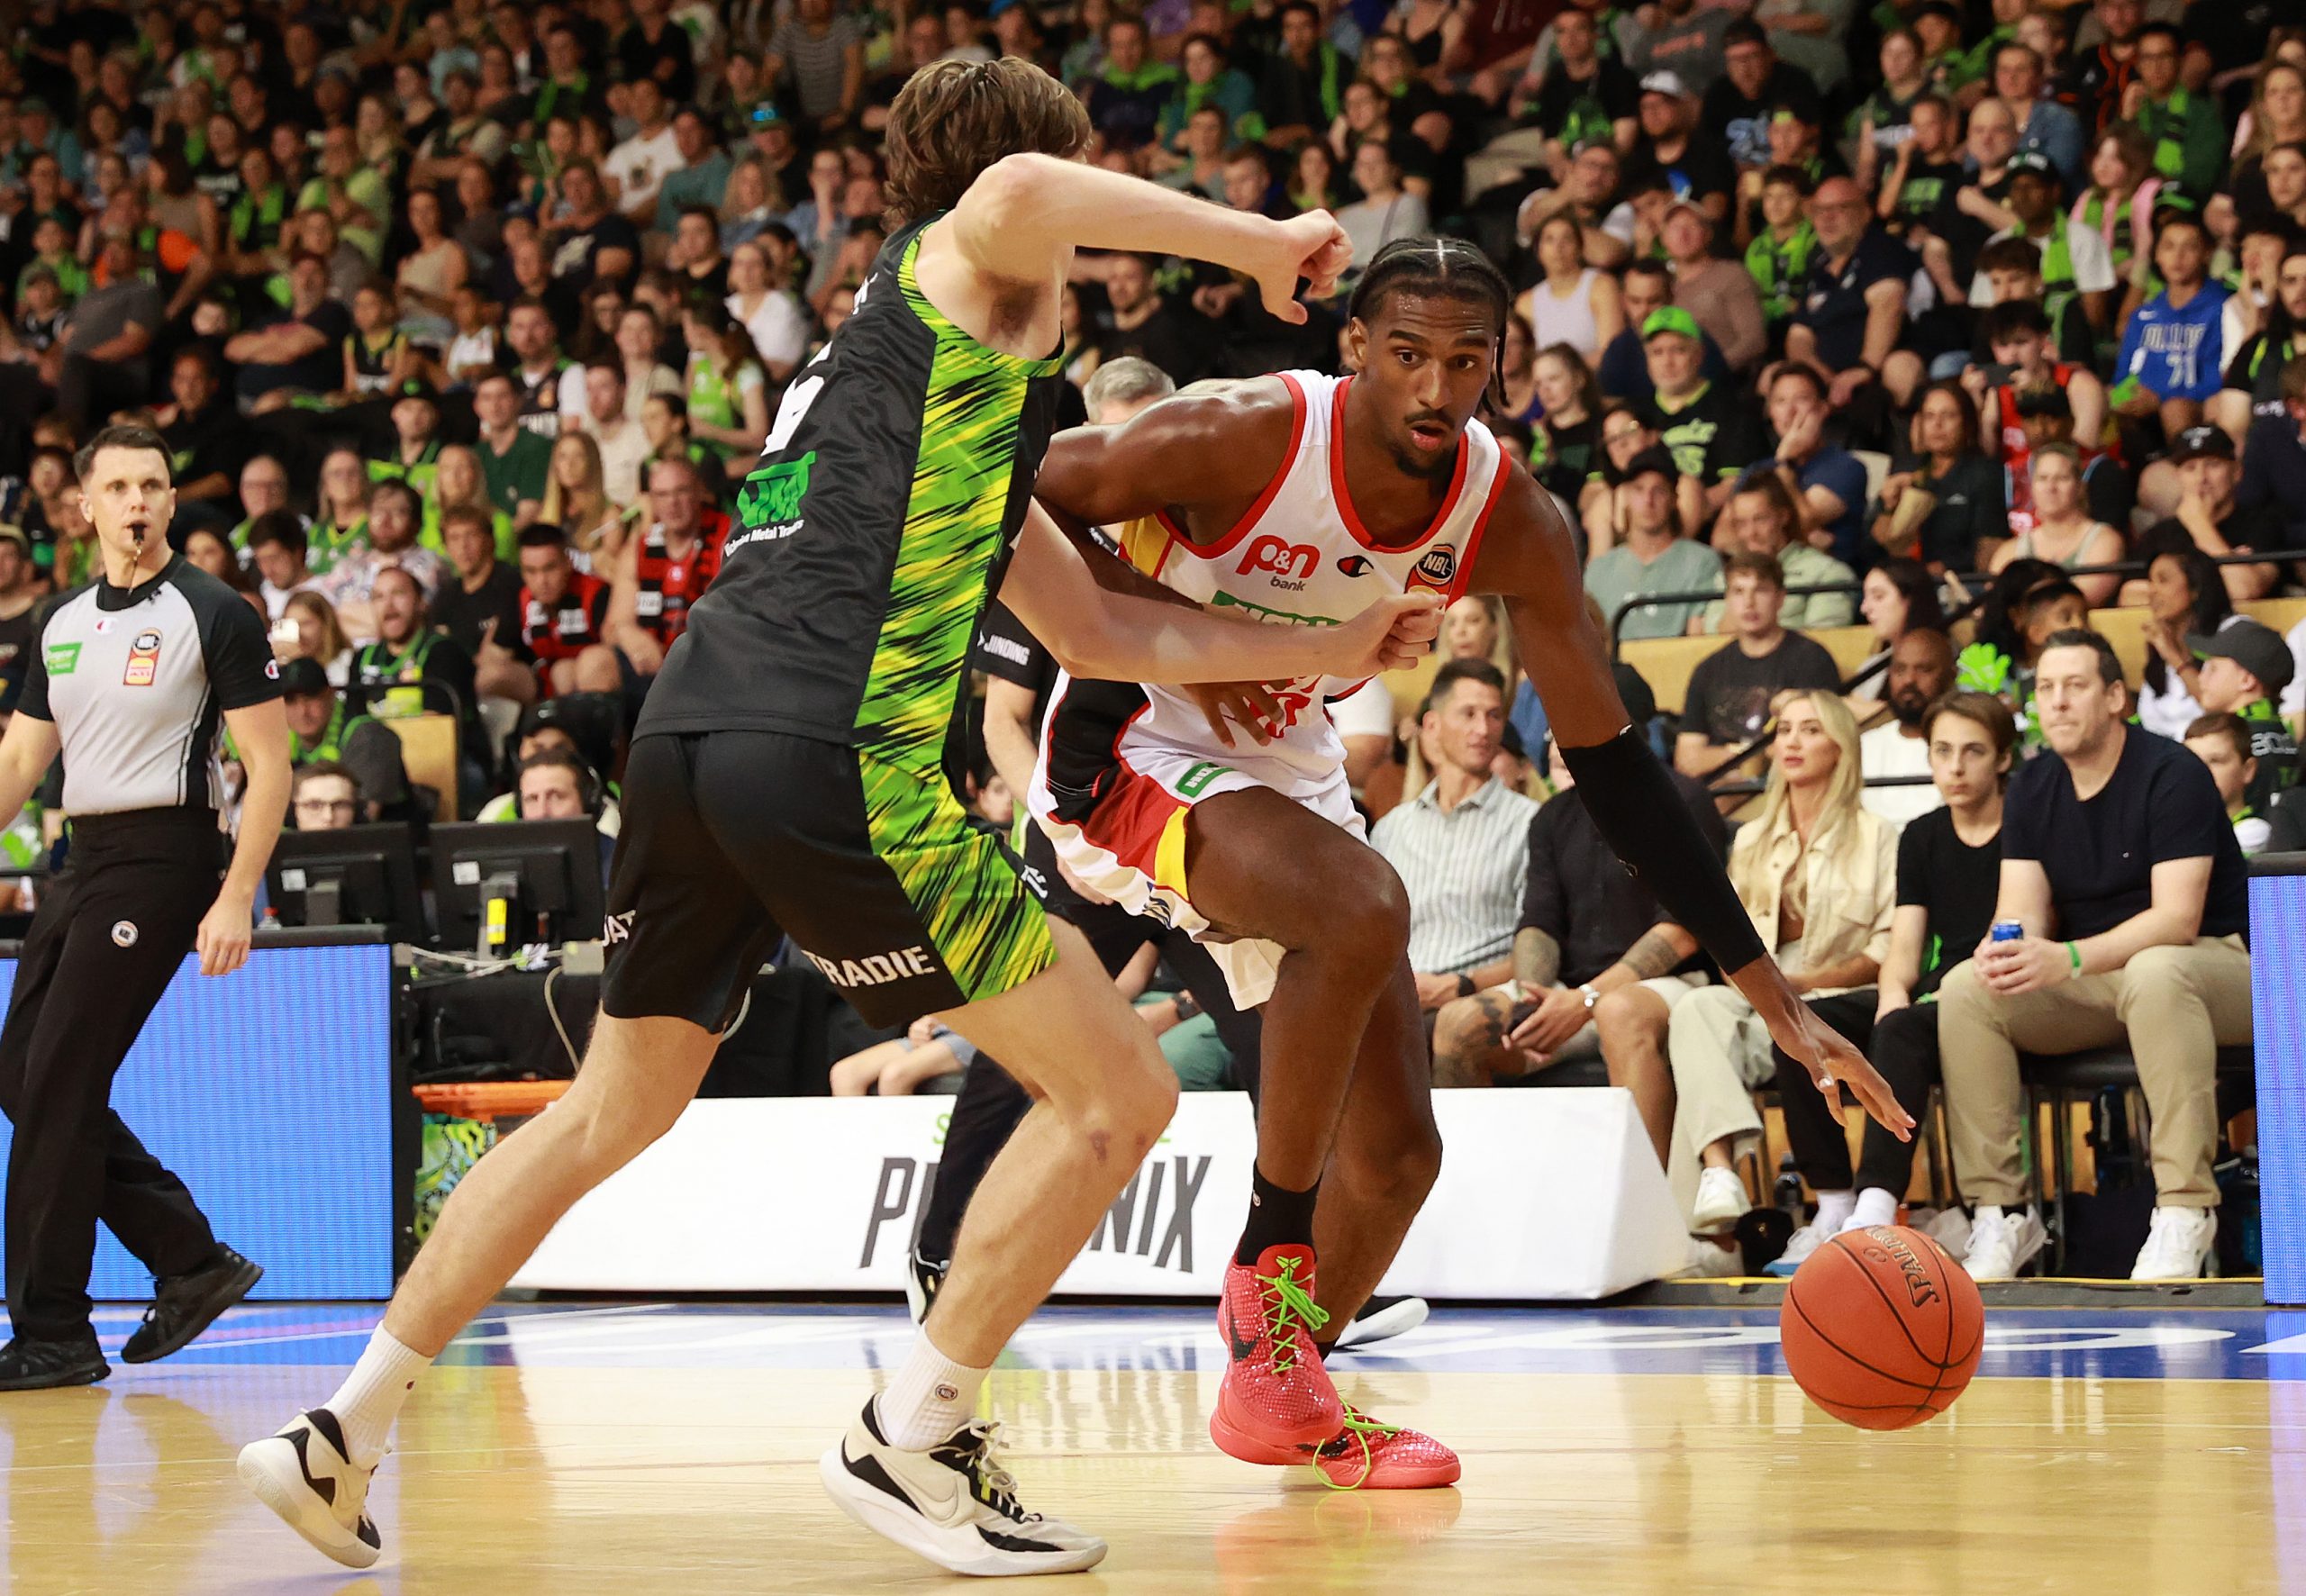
[(33, 700), (1636, 809)]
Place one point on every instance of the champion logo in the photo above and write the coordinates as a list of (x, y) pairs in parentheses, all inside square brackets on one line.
[(948, 1393), (124, 933), (1354, 565)]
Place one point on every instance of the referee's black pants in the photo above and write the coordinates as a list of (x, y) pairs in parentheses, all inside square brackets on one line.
[(114, 927)]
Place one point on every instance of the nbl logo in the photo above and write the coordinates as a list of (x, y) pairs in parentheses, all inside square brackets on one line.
[(1439, 566), (1281, 557)]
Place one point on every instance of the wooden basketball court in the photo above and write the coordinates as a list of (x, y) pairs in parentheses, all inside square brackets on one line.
[(643, 1448)]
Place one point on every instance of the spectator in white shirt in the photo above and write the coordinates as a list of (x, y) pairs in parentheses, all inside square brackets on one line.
[(1462, 845), (1921, 672), (639, 167)]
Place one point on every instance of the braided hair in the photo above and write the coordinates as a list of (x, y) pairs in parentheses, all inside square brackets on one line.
[(1438, 266)]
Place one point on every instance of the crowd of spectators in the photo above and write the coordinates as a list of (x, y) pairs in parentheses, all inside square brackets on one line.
[(463, 321)]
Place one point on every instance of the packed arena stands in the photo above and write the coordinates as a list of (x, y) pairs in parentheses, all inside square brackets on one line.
[(1878, 359)]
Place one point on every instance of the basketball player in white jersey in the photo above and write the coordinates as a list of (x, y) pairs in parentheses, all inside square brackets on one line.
[(1303, 499)]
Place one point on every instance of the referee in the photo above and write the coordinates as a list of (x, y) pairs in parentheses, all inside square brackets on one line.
[(128, 678)]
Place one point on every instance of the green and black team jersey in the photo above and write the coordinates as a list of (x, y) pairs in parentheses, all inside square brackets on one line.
[(870, 534)]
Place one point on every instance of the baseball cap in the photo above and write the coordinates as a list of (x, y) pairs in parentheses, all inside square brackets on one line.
[(2257, 648), (1693, 207), (765, 113), (1658, 459), (11, 533), (1664, 83), (2032, 163), (1671, 317), (416, 388), (303, 678), (2196, 442)]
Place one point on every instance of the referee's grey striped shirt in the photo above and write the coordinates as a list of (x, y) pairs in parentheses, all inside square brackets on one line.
[(1465, 870)]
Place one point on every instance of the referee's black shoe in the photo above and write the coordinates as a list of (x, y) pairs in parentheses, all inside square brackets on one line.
[(187, 1304), (26, 1364)]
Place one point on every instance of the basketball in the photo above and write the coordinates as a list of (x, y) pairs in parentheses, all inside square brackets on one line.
[(1881, 1327)]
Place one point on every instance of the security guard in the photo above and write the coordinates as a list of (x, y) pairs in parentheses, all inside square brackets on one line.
[(129, 678)]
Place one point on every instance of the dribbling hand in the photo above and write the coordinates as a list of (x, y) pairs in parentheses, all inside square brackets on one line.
[(1833, 1064), (1312, 246)]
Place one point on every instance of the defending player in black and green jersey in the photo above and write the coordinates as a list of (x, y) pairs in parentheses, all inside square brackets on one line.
[(785, 779)]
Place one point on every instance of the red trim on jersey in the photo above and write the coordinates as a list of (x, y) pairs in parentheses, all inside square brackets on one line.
[(1352, 517), (1465, 573), (1130, 820), (1256, 512)]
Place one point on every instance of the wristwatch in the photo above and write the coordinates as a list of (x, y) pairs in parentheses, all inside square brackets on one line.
[(1590, 995)]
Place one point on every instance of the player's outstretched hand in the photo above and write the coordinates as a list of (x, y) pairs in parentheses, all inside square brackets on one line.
[(1312, 246), (1833, 1063), (1250, 705), (1394, 631)]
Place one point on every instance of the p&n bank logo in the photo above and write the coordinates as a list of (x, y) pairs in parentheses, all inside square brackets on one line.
[(1290, 563)]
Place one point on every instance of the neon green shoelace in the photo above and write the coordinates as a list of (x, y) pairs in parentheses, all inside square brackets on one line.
[(1358, 1428), (1288, 1303)]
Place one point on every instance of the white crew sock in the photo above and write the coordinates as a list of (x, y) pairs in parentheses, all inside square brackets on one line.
[(1876, 1205), (928, 1399), (1833, 1209), (369, 1400)]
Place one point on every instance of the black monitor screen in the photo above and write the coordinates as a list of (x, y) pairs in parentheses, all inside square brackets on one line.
[(358, 875), (547, 873)]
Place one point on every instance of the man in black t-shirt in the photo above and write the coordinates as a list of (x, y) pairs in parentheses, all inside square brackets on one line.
[(1753, 86), (478, 606), (2119, 862), (1597, 967), (1853, 307), (1733, 692), (1145, 323)]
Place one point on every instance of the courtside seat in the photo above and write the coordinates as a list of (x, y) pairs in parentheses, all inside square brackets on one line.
[(2064, 1079)]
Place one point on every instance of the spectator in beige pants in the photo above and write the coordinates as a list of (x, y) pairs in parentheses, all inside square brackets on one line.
[(2118, 859), (1818, 875)]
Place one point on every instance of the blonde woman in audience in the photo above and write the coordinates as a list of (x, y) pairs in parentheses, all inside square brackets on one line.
[(458, 482), (576, 503), (747, 205), (771, 312), (317, 635), (1818, 875), (2064, 534)]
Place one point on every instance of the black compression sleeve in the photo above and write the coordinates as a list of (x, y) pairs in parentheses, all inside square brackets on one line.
[(1635, 805)]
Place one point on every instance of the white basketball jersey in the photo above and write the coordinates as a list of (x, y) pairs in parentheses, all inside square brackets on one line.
[(1301, 557)]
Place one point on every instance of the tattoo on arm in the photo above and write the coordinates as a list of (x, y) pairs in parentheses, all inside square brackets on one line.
[(1537, 957), (1653, 955)]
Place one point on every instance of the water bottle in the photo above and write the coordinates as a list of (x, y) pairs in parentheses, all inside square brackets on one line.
[(1786, 1193)]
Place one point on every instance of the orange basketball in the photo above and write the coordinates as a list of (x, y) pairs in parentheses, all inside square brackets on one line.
[(1881, 1327)]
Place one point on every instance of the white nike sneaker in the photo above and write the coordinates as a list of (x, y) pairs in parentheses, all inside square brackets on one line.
[(2181, 1245), (1808, 1239), (1381, 1319), (1721, 1200), (953, 1504), (2001, 1243), (303, 1474)]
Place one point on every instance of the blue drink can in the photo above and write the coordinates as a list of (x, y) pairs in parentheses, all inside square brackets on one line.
[(2005, 930)]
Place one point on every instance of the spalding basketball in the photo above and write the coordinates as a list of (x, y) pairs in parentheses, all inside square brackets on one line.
[(1881, 1327)]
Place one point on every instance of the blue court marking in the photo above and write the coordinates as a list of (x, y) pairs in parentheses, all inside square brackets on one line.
[(2096, 1342)]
